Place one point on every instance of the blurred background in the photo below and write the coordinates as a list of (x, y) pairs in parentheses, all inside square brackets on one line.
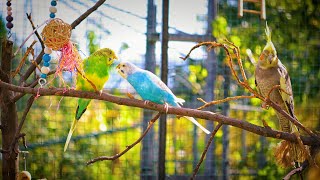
[(133, 30)]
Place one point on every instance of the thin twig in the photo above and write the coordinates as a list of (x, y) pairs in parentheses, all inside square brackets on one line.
[(195, 171), (86, 14), (36, 32), (30, 49), (27, 74), (25, 113), (206, 104), (247, 86), (274, 88), (102, 158), (303, 166), (236, 51), (160, 108)]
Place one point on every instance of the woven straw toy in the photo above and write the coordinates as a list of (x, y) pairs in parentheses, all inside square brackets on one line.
[(56, 36)]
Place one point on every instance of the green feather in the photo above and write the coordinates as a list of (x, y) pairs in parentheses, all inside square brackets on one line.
[(96, 69)]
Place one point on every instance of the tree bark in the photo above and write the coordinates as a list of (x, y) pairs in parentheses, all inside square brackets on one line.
[(9, 117)]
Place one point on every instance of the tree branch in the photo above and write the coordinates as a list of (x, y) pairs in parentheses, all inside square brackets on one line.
[(30, 48), (205, 150), (102, 158), (32, 67), (245, 83), (34, 27), (303, 166), (86, 14), (267, 132), (25, 113)]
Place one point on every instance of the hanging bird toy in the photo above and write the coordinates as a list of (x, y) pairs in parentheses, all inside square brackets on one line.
[(56, 36), (9, 18)]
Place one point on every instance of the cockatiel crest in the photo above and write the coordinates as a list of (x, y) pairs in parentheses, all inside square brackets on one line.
[(268, 57)]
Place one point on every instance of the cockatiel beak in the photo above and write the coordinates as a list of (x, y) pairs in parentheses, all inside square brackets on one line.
[(121, 71), (266, 57)]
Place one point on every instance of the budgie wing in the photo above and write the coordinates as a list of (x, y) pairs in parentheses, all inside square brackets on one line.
[(96, 70), (168, 95)]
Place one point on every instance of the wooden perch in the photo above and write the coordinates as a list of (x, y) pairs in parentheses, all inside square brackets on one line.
[(160, 108)]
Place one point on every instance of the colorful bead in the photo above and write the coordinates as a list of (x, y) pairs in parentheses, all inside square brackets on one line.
[(52, 15), (9, 8), (9, 13), (47, 50), (46, 64), (53, 9), (43, 76), (8, 3), (46, 57), (53, 3), (9, 25), (9, 18), (45, 70)]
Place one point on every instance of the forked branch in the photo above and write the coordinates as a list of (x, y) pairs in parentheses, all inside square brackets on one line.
[(214, 132), (103, 158), (244, 83)]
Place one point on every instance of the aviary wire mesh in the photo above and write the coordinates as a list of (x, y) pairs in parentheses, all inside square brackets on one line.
[(106, 128)]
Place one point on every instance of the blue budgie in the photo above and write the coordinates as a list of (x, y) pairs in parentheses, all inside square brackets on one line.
[(151, 88)]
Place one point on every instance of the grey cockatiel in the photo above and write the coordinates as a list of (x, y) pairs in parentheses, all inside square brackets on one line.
[(270, 72)]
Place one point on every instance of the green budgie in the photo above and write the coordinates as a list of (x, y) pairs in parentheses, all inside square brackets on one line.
[(96, 68), (270, 72)]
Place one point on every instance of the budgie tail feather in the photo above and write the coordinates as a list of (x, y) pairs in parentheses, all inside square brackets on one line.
[(180, 101), (197, 124), (73, 127)]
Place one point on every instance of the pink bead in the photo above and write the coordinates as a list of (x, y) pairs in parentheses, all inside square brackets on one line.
[(9, 13), (9, 8)]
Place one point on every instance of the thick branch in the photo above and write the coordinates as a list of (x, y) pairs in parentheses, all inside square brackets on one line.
[(157, 107), (102, 158), (87, 13)]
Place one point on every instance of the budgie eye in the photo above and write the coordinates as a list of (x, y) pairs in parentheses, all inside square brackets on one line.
[(110, 59)]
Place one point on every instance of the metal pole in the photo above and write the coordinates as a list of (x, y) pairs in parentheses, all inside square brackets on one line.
[(147, 155), (211, 65), (225, 128), (164, 78)]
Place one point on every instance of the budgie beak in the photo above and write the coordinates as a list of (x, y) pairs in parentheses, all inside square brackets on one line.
[(121, 71), (112, 59)]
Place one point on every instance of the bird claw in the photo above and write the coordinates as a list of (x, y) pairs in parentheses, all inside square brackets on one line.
[(100, 92), (146, 102), (130, 95), (265, 105), (166, 107)]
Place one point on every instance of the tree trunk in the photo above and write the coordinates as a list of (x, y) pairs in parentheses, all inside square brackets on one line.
[(9, 117)]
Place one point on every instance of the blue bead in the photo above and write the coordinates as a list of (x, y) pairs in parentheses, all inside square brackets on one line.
[(52, 15), (43, 76), (46, 57), (46, 64), (53, 3)]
